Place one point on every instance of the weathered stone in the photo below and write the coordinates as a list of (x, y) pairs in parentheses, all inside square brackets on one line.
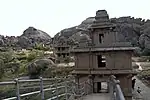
[(39, 65), (101, 16)]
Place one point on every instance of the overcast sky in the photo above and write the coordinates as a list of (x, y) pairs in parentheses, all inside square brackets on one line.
[(52, 16)]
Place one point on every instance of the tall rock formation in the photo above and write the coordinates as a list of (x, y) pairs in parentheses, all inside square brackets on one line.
[(31, 36)]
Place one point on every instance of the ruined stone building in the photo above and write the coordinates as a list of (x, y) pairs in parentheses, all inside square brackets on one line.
[(105, 55), (61, 48), (62, 51)]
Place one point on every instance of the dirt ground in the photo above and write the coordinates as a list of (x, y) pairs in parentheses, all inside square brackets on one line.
[(144, 64)]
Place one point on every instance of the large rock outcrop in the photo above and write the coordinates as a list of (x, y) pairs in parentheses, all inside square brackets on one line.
[(130, 29), (31, 36), (37, 67), (28, 39), (36, 34)]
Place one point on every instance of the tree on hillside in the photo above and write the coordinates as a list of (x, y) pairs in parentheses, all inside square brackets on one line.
[(31, 56), (6, 56), (40, 46), (67, 60), (2, 68)]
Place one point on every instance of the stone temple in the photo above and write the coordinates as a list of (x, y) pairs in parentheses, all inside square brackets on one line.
[(104, 55)]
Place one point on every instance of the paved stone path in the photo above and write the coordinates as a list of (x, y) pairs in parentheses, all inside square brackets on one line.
[(97, 96), (145, 91)]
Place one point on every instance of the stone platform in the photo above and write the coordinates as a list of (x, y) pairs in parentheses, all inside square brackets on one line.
[(97, 96)]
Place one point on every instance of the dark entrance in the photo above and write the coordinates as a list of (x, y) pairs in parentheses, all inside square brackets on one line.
[(99, 87), (102, 87)]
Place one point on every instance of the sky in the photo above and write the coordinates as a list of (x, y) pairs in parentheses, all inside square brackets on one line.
[(52, 16)]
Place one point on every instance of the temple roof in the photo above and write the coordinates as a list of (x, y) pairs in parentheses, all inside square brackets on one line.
[(102, 20)]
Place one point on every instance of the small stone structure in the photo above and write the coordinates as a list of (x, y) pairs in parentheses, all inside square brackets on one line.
[(104, 56), (61, 48)]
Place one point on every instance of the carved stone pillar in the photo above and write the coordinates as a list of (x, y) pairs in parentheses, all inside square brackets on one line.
[(126, 85), (91, 83), (128, 94), (108, 86), (76, 85), (111, 88), (77, 81)]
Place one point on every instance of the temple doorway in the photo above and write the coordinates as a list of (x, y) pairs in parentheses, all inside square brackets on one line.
[(101, 87)]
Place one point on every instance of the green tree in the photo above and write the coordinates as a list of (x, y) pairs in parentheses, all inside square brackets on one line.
[(31, 56), (13, 66), (6, 56), (67, 60), (40, 46), (2, 68)]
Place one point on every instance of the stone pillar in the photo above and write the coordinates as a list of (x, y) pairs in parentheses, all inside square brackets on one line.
[(108, 86), (90, 77), (126, 86), (128, 95), (77, 80), (111, 89), (94, 85), (77, 85)]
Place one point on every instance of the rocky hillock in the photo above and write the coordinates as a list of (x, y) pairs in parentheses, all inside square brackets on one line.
[(130, 29), (30, 37)]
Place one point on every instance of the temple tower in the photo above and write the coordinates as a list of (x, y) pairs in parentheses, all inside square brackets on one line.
[(106, 55)]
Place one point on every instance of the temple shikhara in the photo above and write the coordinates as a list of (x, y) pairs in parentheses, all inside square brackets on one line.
[(104, 55)]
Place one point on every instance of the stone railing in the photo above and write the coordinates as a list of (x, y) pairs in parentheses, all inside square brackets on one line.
[(115, 89), (58, 88)]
